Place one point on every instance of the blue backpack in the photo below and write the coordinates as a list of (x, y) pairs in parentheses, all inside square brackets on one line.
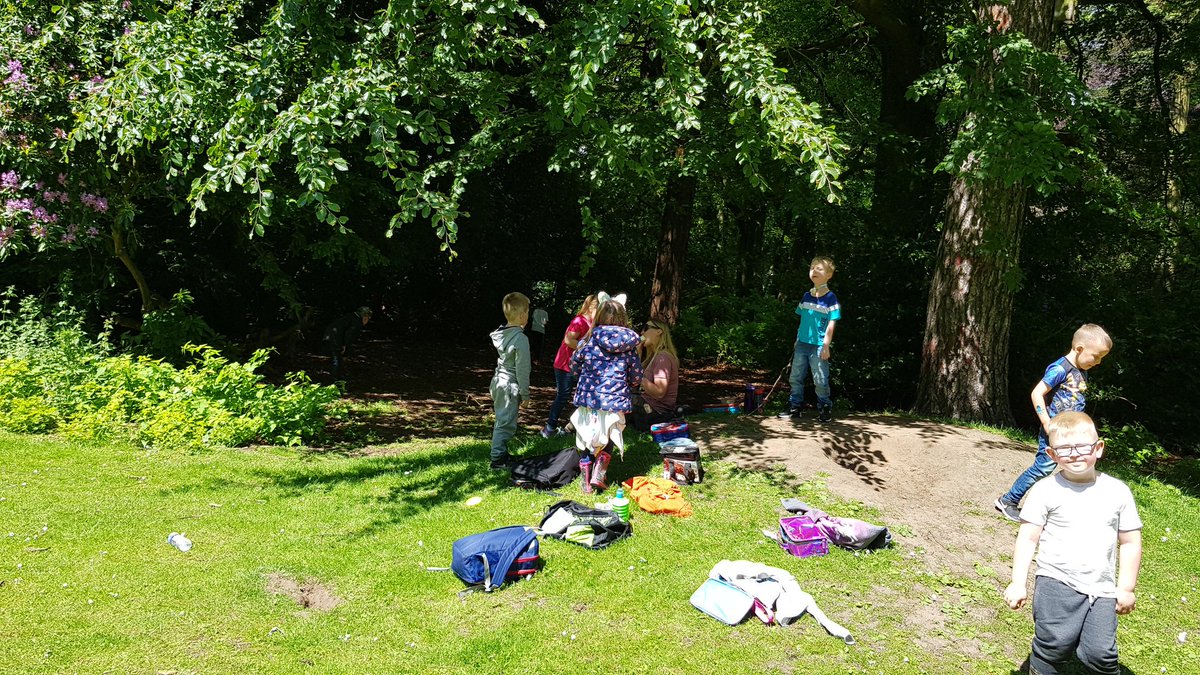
[(491, 558)]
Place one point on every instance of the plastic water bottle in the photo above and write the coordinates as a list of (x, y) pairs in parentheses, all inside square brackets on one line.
[(180, 542), (621, 505), (585, 469)]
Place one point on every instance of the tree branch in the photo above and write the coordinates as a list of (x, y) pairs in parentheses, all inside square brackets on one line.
[(846, 39)]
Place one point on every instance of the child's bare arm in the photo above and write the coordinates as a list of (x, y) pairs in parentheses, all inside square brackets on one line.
[(1130, 562), (825, 346), (1038, 397), (1027, 541)]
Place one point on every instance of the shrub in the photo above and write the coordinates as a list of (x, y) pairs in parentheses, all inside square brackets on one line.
[(165, 332), (749, 332), (57, 379), (1131, 444)]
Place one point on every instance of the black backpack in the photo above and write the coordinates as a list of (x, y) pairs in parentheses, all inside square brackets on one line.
[(583, 525), (547, 472)]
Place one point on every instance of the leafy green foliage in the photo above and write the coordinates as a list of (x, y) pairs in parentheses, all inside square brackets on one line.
[(1131, 444), (1022, 114), (165, 332), (748, 332), (54, 378)]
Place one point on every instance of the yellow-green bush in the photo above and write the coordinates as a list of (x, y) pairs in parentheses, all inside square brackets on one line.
[(56, 379)]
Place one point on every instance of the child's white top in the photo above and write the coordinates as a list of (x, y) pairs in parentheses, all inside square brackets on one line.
[(1080, 522)]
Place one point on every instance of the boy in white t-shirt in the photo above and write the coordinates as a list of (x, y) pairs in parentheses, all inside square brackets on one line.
[(1075, 521)]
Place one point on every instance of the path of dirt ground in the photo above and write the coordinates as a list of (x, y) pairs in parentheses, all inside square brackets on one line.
[(934, 483)]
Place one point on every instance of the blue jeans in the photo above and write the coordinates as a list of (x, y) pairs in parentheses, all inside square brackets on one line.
[(1043, 466), (564, 382), (808, 357)]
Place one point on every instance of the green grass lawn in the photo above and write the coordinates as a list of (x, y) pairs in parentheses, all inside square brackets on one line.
[(89, 584)]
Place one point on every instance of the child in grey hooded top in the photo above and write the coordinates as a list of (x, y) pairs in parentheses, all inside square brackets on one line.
[(510, 384)]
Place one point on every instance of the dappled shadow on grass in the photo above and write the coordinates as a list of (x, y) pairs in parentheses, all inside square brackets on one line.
[(1183, 473), (1072, 668), (409, 482)]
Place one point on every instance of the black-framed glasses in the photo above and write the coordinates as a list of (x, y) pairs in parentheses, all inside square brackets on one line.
[(1078, 450)]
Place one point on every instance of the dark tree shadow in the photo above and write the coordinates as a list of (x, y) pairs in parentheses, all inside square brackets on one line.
[(846, 441), (1072, 668)]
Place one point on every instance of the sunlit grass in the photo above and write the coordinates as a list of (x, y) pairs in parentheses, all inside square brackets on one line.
[(89, 584)]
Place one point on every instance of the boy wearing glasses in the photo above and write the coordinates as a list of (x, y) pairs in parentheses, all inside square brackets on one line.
[(1064, 383), (1075, 521)]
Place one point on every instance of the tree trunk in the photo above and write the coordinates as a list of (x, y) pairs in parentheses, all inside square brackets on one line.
[(672, 248), (964, 361), (903, 200), (148, 299), (1181, 105), (751, 224), (964, 367)]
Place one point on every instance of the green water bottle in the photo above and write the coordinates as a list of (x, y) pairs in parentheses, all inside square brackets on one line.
[(621, 505)]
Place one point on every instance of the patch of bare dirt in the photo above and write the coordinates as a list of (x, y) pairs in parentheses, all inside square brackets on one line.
[(935, 484), (310, 595)]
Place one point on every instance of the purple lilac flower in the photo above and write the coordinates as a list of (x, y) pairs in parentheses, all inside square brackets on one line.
[(125, 5), (16, 77), (30, 30), (39, 185), (92, 232), (10, 180), (38, 230), (14, 205), (62, 179), (128, 30), (59, 133), (40, 213), (97, 204), (68, 238), (6, 234)]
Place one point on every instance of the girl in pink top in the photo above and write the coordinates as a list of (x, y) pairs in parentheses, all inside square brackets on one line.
[(563, 382)]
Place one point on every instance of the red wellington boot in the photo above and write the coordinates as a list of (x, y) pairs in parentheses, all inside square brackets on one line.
[(600, 470)]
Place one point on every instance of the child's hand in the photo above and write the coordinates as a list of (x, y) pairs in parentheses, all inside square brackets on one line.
[(825, 353), (1015, 595), (1125, 601)]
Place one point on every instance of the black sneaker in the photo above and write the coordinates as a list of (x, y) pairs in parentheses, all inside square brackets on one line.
[(502, 464), (790, 414), (1010, 511), (825, 414)]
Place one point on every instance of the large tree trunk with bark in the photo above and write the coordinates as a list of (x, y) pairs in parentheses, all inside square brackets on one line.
[(665, 291), (964, 364), (964, 367)]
